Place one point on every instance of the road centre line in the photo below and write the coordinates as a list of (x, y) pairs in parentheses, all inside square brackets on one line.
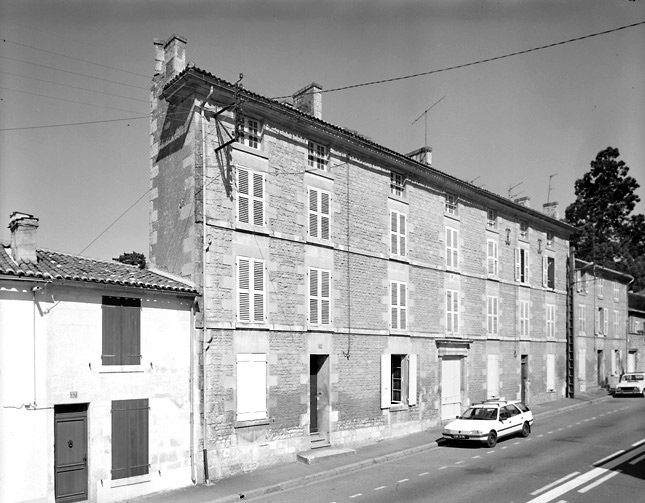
[(553, 484), (356, 495), (599, 481), (637, 460), (379, 488), (460, 462), (617, 453), (402, 480), (424, 474), (639, 443)]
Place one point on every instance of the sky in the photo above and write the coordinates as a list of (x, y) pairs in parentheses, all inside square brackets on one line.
[(75, 77)]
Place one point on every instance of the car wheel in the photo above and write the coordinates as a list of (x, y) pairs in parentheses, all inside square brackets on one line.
[(491, 441), (526, 430)]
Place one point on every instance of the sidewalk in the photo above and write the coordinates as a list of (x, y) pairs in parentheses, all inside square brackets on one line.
[(287, 476)]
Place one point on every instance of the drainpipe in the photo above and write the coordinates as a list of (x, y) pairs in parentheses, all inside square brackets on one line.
[(34, 289), (204, 296)]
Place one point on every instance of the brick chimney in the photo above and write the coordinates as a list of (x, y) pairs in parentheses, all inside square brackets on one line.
[(524, 201), (422, 155), (551, 209), (23, 237), (174, 56), (309, 100)]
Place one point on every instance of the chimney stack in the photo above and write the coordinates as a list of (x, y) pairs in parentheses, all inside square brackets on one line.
[(23, 237), (551, 210), (174, 56), (309, 100), (524, 201), (422, 155)]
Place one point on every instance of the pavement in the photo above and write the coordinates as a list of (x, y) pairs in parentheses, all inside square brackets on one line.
[(297, 474)]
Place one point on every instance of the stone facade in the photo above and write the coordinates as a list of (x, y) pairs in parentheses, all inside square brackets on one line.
[(346, 287), (636, 333)]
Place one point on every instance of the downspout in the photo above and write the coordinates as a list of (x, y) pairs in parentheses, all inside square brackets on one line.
[(204, 296), (34, 289), (191, 397)]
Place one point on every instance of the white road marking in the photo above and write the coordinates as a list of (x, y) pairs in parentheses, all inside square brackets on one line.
[(639, 443), (380, 488), (442, 468), (553, 484), (599, 481), (617, 453), (540, 436), (505, 447), (423, 474), (490, 452), (560, 429), (477, 457), (459, 462), (516, 443), (402, 480), (356, 495), (637, 460), (568, 486), (569, 426), (549, 433)]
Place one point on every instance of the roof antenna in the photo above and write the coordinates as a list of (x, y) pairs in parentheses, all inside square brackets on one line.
[(548, 196), (426, 118)]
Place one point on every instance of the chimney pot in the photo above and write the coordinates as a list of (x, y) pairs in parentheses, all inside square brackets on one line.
[(551, 209), (524, 201), (309, 100), (422, 155), (23, 237)]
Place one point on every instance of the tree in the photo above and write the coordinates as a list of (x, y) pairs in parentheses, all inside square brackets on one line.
[(134, 258), (608, 233)]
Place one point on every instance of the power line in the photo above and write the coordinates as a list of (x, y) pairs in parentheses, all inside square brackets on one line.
[(74, 73), (76, 123), (75, 59), (74, 87), (473, 63)]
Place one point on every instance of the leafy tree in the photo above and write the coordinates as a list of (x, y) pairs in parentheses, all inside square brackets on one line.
[(134, 258), (608, 233)]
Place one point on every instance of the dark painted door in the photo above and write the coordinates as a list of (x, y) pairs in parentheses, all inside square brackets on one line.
[(318, 393), (70, 452), (524, 376)]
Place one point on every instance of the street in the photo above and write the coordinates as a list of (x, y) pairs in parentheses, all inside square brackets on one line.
[(592, 454)]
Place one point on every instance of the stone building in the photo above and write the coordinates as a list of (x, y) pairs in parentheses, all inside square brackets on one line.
[(350, 293), (636, 335), (95, 360), (599, 326)]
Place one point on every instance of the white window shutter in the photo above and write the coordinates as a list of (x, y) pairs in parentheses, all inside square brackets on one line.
[(492, 376), (402, 234), (325, 298), (243, 196), (394, 303), (258, 199), (258, 291), (550, 372), (313, 213), (517, 264), (403, 306), (394, 233), (386, 381), (412, 379), (324, 215), (545, 271), (243, 289), (313, 297), (251, 387), (526, 266)]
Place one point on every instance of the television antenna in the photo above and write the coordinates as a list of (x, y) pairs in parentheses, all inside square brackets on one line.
[(425, 113), (548, 196)]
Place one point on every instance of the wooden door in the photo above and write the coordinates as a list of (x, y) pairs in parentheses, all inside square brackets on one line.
[(319, 394), (450, 387), (70, 452)]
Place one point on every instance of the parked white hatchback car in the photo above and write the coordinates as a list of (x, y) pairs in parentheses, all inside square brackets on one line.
[(490, 420), (632, 383)]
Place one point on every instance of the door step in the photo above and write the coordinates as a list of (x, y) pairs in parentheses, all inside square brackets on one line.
[(318, 441), (318, 455)]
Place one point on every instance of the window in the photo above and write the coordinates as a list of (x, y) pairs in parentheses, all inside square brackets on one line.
[(451, 204), (452, 248), (605, 321), (601, 287), (492, 376), (250, 197), (129, 438), (319, 213), (550, 239), (602, 323), (524, 318), (616, 324), (616, 292), (550, 320), (581, 282), (317, 156), (251, 389), (121, 331), (319, 297), (398, 233), (492, 260), (615, 362), (582, 319), (398, 306), (550, 373), (522, 265), (398, 380), (251, 133), (452, 311), (524, 230), (250, 290), (397, 183), (491, 219), (582, 364), (492, 315), (548, 272)]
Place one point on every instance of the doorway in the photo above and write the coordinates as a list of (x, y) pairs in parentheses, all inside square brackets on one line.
[(524, 377), (450, 387), (601, 368), (319, 395), (70, 452)]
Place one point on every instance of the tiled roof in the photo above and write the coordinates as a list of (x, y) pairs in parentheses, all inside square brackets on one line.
[(54, 265)]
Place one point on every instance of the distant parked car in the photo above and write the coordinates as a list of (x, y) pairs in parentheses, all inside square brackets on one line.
[(490, 420), (632, 383)]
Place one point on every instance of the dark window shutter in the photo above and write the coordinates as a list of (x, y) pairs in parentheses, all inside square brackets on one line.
[(111, 347), (131, 335), (121, 331), (129, 438), (120, 439), (138, 416)]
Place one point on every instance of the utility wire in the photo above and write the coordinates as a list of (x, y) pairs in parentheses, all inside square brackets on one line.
[(74, 73), (74, 87), (75, 123), (75, 59), (473, 63)]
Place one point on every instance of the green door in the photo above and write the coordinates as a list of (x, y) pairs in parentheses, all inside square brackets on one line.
[(70, 452)]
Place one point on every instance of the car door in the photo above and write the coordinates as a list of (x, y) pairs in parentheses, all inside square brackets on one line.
[(505, 424), (515, 418)]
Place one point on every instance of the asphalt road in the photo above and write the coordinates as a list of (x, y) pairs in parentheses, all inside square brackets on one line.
[(592, 454)]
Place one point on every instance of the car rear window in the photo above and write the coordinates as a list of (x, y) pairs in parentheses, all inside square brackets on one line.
[(522, 406)]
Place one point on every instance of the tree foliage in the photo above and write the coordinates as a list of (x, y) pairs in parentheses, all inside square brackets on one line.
[(134, 258), (609, 234)]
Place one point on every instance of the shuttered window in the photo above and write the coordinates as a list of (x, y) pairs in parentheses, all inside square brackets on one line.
[(250, 290), (492, 315), (319, 297), (548, 272), (129, 438), (251, 387), (452, 311), (550, 320), (398, 380), (524, 318), (319, 213), (398, 234), (452, 248), (121, 331), (492, 261), (250, 197), (399, 305), (550, 372), (492, 376), (522, 265)]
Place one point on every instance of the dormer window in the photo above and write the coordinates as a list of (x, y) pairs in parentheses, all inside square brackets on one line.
[(318, 156), (491, 219), (251, 135), (397, 183), (524, 229), (452, 202)]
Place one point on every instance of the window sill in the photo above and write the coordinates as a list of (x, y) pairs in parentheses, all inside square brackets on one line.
[(121, 369), (256, 229), (400, 258), (325, 243), (396, 407), (324, 173), (251, 422), (250, 150), (452, 217), (396, 197), (320, 328), (130, 481)]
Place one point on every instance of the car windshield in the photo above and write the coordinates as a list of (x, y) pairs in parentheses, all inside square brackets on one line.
[(633, 377), (486, 413)]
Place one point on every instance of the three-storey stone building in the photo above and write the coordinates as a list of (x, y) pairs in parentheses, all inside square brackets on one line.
[(349, 293)]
